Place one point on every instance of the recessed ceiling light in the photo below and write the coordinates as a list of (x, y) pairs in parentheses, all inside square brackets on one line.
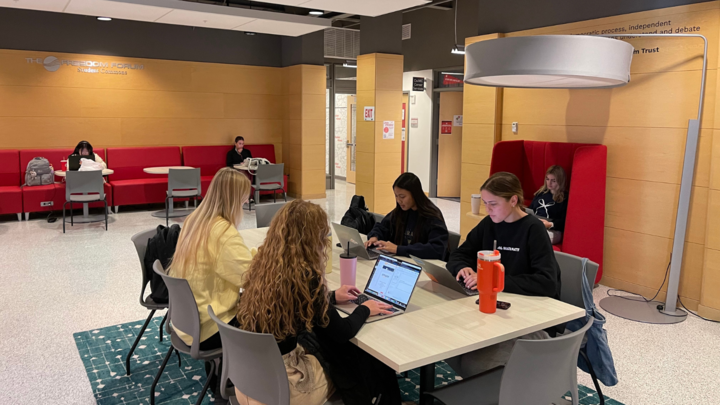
[(316, 12), (104, 19)]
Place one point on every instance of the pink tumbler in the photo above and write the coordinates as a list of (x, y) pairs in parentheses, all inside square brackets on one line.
[(348, 266)]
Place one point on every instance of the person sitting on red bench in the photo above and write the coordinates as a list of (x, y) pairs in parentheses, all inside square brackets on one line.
[(551, 202), (238, 154), (85, 149)]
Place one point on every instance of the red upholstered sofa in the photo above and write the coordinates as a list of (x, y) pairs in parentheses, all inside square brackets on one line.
[(210, 159), (10, 191), (585, 166), (131, 185), (33, 196)]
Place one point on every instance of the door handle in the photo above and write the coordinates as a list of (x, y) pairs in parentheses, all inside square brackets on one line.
[(349, 144)]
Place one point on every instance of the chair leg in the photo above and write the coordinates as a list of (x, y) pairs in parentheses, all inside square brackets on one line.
[(167, 212), (106, 214), (179, 361), (137, 340), (159, 374), (64, 216), (594, 377), (72, 223), (117, 209), (285, 195), (207, 383), (274, 196), (19, 215), (160, 330)]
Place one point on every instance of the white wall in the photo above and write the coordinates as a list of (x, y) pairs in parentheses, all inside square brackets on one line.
[(419, 149)]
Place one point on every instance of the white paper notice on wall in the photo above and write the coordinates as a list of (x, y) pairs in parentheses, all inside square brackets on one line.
[(388, 129), (457, 120), (413, 122), (369, 114), (403, 134)]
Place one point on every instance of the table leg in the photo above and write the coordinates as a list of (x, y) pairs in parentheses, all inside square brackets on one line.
[(170, 205), (427, 383), (86, 210)]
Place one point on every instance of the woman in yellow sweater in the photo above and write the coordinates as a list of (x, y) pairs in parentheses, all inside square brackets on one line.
[(212, 256)]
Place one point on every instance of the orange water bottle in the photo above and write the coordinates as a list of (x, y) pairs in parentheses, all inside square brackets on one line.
[(490, 279)]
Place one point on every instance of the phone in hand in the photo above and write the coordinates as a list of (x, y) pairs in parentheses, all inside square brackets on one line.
[(499, 305)]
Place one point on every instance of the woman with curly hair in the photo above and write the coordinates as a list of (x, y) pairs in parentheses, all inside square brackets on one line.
[(285, 294)]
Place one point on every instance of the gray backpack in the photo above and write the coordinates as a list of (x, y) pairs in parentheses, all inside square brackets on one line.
[(39, 172)]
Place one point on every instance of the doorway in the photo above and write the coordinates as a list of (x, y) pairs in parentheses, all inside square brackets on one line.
[(341, 127)]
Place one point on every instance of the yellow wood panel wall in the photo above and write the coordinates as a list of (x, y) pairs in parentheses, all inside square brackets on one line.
[(449, 146), (166, 103), (379, 84), (643, 124)]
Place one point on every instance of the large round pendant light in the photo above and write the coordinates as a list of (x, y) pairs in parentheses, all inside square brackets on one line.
[(549, 61)]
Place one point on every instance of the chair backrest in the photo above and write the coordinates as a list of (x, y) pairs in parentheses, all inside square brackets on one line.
[(253, 363), (270, 174), (77, 182), (184, 179), (571, 277), (542, 371), (378, 217), (264, 213), (140, 240), (453, 241), (182, 306)]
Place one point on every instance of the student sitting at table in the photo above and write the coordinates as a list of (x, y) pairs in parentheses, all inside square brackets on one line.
[(415, 227), (285, 294), (238, 153), (551, 202), (526, 253), (85, 149), (212, 256)]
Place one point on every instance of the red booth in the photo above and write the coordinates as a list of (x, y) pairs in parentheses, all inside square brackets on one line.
[(10, 192)]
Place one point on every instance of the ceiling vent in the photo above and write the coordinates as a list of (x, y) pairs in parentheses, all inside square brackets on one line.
[(406, 31), (342, 43)]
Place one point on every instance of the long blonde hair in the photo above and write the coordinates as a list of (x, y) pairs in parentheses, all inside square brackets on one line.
[(228, 191), (559, 174), (285, 290)]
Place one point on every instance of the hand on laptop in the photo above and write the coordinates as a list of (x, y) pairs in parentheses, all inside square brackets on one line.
[(468, 276), (371, 242), (377, 307), (346, 293), (387, 247)]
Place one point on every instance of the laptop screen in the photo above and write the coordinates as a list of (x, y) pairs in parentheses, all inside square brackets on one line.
[(393, 281)]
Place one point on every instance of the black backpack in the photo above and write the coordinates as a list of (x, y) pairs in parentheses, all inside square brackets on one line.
[(160, 247), (358, 217)]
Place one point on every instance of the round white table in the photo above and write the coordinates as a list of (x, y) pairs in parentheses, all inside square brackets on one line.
[(86, 217), (241, 167), (171, 213)]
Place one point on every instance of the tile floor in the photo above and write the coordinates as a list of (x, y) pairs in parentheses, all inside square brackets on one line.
[(54, 285)]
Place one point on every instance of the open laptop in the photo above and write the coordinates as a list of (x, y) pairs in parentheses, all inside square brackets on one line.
[(531, 212), (357, 247), (74, 161), (392, 281), (442, 276)]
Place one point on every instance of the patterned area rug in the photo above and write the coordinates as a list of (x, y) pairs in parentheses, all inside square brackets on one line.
[(103, 353)]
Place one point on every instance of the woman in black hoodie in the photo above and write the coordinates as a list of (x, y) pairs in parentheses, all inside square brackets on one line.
[(551, 202)]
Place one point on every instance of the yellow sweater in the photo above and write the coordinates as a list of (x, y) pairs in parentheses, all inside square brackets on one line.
[(217, 278)]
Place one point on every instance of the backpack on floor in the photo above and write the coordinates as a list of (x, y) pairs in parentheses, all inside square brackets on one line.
[(39, 172), (358, 217)]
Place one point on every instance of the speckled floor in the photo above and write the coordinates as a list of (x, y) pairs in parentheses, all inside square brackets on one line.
[(54, 285)]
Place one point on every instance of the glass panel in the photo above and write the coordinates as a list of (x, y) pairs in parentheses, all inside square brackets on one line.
[(327, 131), (354, 136), (341, 135)]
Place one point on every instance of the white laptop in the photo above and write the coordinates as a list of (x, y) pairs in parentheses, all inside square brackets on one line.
[(357, 247), (392, 282), (531, 212)]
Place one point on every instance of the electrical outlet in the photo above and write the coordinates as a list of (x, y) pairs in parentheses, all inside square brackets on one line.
[(514, 127), (46, 204)]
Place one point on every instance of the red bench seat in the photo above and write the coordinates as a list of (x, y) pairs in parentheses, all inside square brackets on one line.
[(131, 185), (10, 191)]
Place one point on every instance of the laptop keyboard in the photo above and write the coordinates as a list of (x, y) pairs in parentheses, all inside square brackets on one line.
[(469, 291), (363, 298)]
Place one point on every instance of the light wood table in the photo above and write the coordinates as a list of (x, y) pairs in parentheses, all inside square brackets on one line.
[(241, 167), (87, 218), (440, 323), (171, 213)]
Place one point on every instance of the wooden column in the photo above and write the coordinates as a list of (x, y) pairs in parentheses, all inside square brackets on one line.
[(379, 85)]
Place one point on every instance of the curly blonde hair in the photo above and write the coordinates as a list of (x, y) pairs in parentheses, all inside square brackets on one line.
[(285, 291)]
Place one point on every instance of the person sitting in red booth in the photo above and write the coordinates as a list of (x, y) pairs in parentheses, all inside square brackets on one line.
[(550, 201), (84, 148), (238, 154)]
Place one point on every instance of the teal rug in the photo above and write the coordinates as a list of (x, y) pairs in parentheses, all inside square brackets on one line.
[(103, 353)]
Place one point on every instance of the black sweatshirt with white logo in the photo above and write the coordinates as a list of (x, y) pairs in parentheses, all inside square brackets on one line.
[(525, 251)]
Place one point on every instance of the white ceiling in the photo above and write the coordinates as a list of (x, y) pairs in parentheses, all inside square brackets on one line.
[(370, 8), (182, 13)]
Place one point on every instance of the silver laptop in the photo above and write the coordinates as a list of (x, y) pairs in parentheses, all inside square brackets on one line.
[(531, 212), (357, 247), (443, 276), (392, 281)]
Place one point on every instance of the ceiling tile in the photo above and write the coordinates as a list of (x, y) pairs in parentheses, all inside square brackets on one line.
[(279, 28), (42, 5), (207, 20), (115, 9)]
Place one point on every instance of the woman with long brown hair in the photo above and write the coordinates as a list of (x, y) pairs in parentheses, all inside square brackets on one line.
[(212, 256), (285, 294), (550, 201)]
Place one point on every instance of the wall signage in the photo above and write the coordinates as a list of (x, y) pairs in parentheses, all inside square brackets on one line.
[(449, 80), (388, 129), (369, 114), (413, 122), (457, 120), (418, 84), (446, 128), (53, 64)]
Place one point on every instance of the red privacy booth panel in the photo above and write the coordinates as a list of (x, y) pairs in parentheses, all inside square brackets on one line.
[(10, 191)]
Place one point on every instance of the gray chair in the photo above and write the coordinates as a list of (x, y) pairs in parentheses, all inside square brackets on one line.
[(378, 217), (539, 372), (140, 241), (84, 187), (182, 183), (264, 213), (453, 241), (269, 178), (252, 361), (184, 316), (571, 293)]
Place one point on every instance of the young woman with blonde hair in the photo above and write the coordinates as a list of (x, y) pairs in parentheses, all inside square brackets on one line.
[(285, 294), (212, 256), (551, 202)]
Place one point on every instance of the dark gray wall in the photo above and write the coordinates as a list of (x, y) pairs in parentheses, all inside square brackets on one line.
[(303, 50), (56, 32), (518, 15), (433, 36), (381, 34)]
